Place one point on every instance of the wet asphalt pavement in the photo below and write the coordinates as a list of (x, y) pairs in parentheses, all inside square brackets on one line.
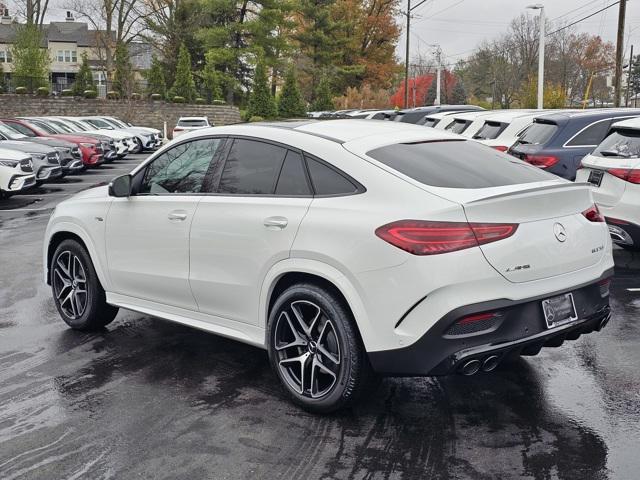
[(150, 399)]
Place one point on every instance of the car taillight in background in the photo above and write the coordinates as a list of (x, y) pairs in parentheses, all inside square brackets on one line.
[(593, 214), (630, 175), (420, 237), (541, 161), (500, 148), (177, 129)]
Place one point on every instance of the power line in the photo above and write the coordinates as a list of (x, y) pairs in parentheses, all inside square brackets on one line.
[(445, 9), (583, 18), (575, 10)]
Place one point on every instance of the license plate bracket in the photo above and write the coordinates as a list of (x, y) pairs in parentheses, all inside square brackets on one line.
[(559, 310), (595, 177)]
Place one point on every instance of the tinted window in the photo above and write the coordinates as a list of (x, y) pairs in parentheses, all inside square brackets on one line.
[(538, 133), (458, 126), (431, 122), (293, 179), (252, 167), (327, 181), (457, 164), (181, 169), (47, 128), (22, 129), (620, 143), (592, 135), (412, 117), (490, 130), (192, 123)]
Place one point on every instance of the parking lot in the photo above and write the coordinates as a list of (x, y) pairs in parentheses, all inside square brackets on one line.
[(146, 398)]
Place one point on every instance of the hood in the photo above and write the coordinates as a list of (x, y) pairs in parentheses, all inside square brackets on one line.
[(118, 135), (100, 191), (29, 147), (8, 154), (73, 139), (53, 142)]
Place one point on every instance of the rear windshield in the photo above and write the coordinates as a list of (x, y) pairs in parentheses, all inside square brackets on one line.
[(538, 133), (620, 143), (431, 122), (490, 130), (192, 123), (410, 117), (458, 126), (457, 164)]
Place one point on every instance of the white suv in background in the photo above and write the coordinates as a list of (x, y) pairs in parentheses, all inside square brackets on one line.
[(16, 172), (613, 170), (188, 124)]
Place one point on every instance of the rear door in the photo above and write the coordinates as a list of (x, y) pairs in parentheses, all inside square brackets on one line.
[(246, 226)]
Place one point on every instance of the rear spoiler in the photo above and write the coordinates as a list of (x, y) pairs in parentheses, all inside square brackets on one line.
[(532, 189)]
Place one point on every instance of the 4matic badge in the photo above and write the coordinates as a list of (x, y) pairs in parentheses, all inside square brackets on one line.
[(517, 268)]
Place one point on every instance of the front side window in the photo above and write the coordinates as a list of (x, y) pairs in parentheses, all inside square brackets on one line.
[(592, 135), (457, 164), (252, 168), (182, 169), (622, 143)]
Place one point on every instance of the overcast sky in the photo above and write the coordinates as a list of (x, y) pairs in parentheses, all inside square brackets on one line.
[(458, 26)]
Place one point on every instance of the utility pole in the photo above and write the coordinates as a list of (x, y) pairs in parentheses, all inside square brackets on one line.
[(626, 103), (406, 60), (539, 6), (619, 45), (438, 74)]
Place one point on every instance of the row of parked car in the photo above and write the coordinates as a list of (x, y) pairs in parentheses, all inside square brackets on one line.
[(36, 150), (598, 146)]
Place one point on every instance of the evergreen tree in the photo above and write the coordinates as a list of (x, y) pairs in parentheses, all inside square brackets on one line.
[(430, 96), (458, 94), (261, 102), (155, 78), (290, 103), (122, 75), (634, 80), (323, 97), (184, 85), (212, 80), (30, 61), (84, 78)]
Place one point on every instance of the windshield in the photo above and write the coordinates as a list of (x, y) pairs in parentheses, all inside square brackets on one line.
[(116, 122), (60, 126), (457, 164), (10, 133), (83, 127), (113, 123), (99, 123), (538, 133), (192, 123), (490, 130), (42, 126), (620, 143)]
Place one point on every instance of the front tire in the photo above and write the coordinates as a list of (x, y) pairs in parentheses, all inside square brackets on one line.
[(315, 349), (77, 292)]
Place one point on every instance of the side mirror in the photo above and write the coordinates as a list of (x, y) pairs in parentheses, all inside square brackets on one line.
[(120, 186)]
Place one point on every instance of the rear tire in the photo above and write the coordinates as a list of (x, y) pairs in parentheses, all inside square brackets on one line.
[(315, 349), (77, 292)]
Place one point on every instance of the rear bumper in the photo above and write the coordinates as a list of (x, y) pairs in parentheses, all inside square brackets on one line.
[(521, 329), (623, 232)]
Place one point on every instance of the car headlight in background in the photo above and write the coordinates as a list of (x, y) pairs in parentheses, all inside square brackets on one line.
[(37, 156)]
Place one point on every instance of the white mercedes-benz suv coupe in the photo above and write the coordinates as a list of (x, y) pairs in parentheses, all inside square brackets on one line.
[(346, 248)]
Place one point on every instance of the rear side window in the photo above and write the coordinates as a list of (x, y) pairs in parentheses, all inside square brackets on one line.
[(592, 135), (457, 164), (252, 168), (490, 130), (622, 143), (327, 181), (538, 133), (293, 179)]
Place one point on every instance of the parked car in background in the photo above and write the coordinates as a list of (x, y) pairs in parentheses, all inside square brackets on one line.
[(557, 142), (46, 160), (344, 248), (501, 130), (418, 115), (189, 124), (379, 114), (126, 137), (69, 154), (613, 170), (463, 121), (144, 139), (439, 120), (122, 124), (16, 172), (91, 149)]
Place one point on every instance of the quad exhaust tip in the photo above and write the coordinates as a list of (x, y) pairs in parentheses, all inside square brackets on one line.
[(471, 367), (490, 363), (487, 364)]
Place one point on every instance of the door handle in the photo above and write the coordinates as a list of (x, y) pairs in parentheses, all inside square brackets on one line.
[(276, 223), (177, 216)]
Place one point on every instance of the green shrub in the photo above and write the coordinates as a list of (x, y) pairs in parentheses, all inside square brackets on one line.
[(67, 92), (200, 101), (178, 99), (90, 94), (156, 96), (113, 95), (42, 92), (256, 118), (21, 90)]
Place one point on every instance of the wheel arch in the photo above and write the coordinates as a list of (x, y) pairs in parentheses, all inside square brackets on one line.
[(292, 271)]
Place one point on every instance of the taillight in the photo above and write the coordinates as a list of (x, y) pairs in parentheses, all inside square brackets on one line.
[(177, 129), (593, 214), (500, 148), (631, 175), (420, 237), (541, 161)]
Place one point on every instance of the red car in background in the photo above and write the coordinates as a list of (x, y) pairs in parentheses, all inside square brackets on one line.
[(92, 152)]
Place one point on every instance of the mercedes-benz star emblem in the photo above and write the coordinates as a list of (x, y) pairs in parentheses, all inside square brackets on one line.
[(560, 232)]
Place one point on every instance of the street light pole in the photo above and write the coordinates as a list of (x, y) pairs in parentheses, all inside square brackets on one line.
[(539, 6), (406, 59)]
